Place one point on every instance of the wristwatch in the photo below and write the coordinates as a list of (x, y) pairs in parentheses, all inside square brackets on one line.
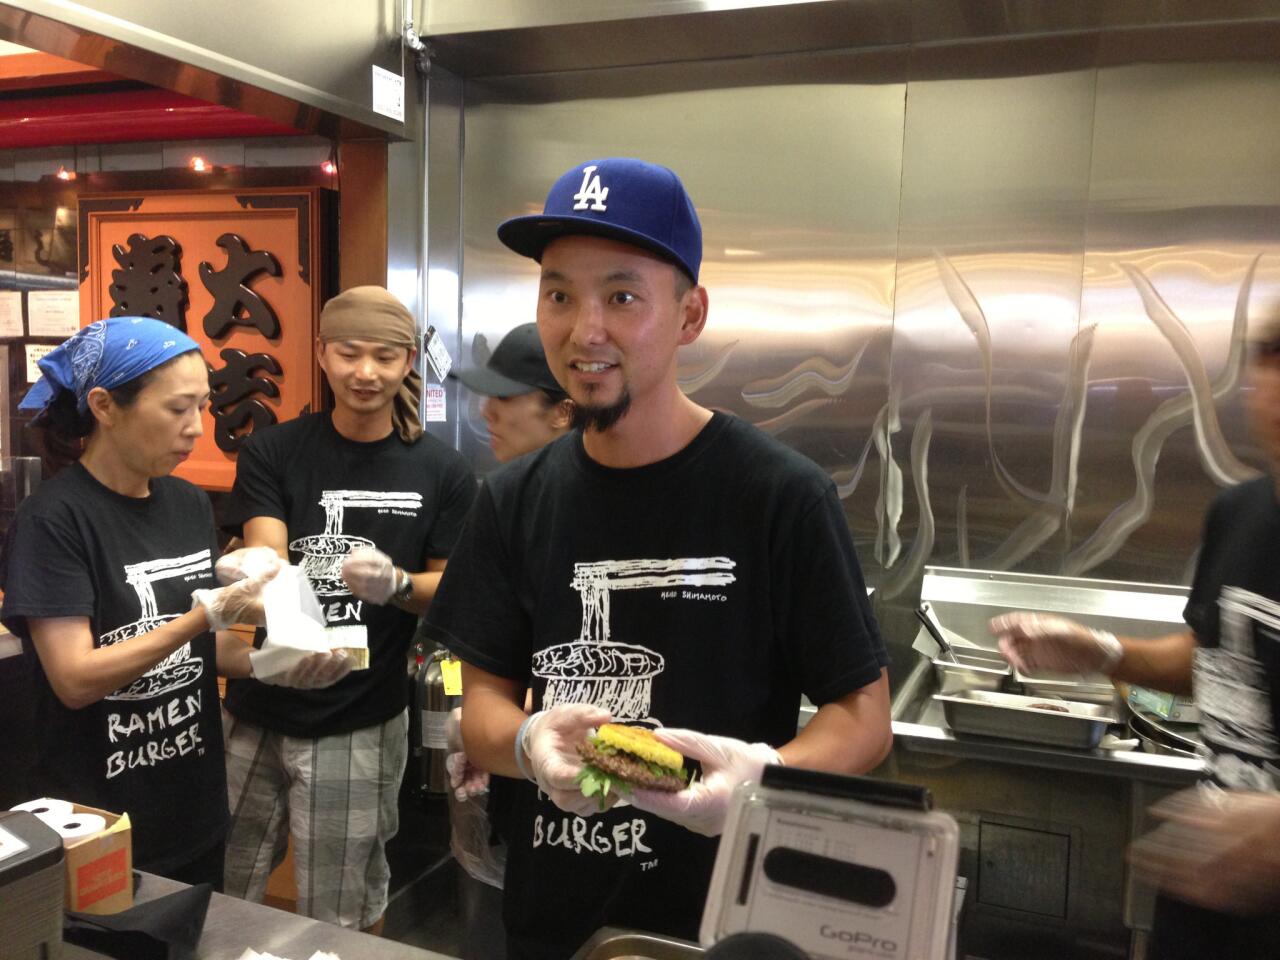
[(404, 587)]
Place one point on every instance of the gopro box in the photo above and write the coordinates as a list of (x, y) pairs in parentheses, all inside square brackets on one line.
[(842, 867)]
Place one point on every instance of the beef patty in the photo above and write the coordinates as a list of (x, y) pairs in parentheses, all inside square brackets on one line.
[(629, 769)]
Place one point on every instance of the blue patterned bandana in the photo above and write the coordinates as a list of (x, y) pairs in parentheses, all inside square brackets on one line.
[(106, 353)]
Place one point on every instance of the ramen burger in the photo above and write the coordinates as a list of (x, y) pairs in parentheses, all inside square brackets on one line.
[(619, 757)]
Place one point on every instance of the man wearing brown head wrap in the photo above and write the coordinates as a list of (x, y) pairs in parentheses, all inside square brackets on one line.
[(369, 507)]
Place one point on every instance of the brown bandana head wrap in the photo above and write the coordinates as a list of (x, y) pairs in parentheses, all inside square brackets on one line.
[(371, 313)]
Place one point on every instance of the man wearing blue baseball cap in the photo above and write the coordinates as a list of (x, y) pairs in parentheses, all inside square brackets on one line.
[(664, 566)]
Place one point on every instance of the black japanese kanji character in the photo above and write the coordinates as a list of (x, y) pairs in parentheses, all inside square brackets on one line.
[(6, 245), (233, 301), (226, 425), (231, 384), (149, 282)]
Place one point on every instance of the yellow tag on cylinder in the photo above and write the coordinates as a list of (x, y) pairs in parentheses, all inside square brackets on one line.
[(451, 670)]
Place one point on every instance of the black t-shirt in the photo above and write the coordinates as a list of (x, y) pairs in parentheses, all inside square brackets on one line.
[(707, 590), (153, 748), (336, 495), (1234, 609)]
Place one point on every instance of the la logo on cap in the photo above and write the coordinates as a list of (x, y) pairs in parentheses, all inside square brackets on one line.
[(590, 196)]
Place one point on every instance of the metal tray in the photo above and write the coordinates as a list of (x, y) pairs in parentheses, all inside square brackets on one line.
[(610, 943), (971, 670), (1014, 717), (1094, 688)]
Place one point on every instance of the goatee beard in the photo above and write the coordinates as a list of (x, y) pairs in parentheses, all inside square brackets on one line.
[(601, 418)]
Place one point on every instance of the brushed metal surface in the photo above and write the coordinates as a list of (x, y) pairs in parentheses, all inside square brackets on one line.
[(797, 188), (997, 289), (277, 60)]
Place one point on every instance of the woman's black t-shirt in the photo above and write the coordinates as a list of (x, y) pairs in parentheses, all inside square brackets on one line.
[(152, 749)]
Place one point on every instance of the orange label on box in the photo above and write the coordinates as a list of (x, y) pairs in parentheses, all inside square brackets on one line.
[(101, 878)]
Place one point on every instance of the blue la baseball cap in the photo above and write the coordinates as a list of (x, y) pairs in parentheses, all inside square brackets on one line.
[(619, 198)]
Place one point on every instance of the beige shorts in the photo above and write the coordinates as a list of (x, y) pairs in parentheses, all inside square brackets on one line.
[(336, 795)]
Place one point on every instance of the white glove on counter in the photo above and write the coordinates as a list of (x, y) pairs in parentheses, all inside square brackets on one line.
[(726, 763), (239, 602), (312, 672), (549, 739), (246, 563), (370, 575), (1044, 641)]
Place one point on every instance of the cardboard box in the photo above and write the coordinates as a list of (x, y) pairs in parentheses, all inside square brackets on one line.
[(100, 868)]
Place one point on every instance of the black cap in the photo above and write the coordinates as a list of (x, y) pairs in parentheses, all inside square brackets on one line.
[(517, 365)]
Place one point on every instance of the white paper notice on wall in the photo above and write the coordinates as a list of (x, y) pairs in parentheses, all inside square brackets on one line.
[(435, 403), (437, 355), (53, 313), (34, 352), (388, 94), (10, 313)]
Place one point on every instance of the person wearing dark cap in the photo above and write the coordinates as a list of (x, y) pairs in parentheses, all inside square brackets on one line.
[(369, 507), (663, 565), (524, 407)]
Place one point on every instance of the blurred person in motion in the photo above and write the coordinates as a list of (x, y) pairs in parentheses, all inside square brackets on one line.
[(108, 578), (1216, 855), (662, 564), (369, 507), (524, 409)]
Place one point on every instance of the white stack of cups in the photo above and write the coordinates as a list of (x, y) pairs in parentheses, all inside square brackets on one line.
[(61, 817)]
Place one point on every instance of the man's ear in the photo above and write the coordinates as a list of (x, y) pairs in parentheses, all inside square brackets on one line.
[(694, 305), (102, 407), (562, 415)]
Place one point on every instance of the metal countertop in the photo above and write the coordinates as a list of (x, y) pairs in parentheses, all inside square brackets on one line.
[(233, 925)]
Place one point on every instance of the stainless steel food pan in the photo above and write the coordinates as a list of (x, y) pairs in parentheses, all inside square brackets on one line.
[(971, 670), (1093, 688), (1062, 723), (613, 944)]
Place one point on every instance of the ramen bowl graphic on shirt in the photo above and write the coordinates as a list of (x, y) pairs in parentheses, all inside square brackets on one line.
[(177, 669)]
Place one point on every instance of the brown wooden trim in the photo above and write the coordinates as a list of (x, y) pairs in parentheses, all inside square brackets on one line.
[(362, 213)]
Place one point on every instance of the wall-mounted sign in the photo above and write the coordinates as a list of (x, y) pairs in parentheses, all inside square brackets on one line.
[(11, 313), (34, 352), (240, 272), (388, 94), (53, 313)]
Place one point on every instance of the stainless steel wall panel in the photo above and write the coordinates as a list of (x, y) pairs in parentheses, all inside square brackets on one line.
[(797, 187), (443, 231), (988, 355), (1182, 240)]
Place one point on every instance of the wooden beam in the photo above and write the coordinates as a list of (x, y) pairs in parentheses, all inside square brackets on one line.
[(362, 213), (32, 71)]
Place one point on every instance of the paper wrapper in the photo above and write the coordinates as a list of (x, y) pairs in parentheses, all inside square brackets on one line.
[(295, 624)]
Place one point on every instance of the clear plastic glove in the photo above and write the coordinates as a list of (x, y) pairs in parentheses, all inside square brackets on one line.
[(370, 575), (550, 741), (466, 779), (1044, 641), (246, 563), (239, 602), (726, 763), (312, 672)]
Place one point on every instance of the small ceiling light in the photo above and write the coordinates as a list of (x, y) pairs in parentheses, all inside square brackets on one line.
[(65, 174), (200, 165), (329, 167)]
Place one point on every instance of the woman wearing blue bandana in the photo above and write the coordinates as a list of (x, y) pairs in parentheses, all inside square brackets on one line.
[(108, 578)]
